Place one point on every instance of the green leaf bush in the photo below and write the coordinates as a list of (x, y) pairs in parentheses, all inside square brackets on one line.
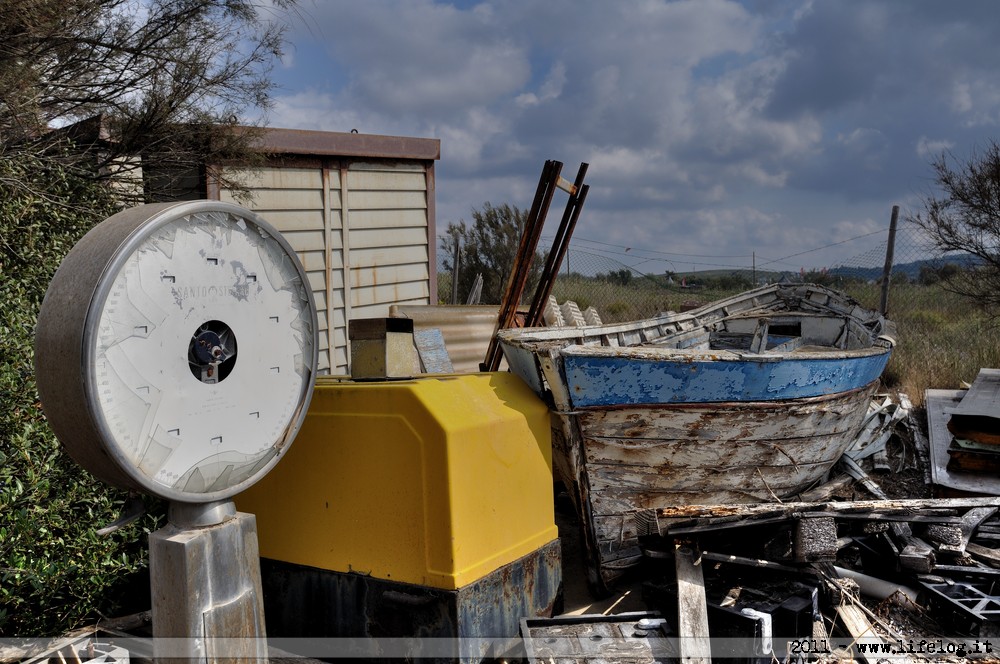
[(56, 573)]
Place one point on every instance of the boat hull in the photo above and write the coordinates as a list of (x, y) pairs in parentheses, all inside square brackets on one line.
[(623, 460), (752, 398)]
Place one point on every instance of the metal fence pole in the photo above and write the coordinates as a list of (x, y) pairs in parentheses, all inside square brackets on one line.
[(887, 270), (456, 257)]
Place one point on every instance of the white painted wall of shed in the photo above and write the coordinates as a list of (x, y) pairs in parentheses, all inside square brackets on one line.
[(361, 232)]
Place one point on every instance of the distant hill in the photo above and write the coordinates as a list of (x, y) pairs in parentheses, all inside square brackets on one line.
[(911, 269)]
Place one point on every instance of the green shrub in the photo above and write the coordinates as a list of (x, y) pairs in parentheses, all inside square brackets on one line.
[(56, 573)]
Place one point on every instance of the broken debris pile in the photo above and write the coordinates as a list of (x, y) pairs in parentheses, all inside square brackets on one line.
[(866, 561)]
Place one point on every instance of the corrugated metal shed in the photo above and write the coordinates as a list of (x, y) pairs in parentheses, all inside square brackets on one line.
[(359, 211)]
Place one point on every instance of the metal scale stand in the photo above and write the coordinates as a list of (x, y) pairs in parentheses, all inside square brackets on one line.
[(175, 355)]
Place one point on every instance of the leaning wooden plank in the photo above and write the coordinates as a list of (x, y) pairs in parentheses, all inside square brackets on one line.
[(920, 442), (856, 624), (692, 609), (845, 507)]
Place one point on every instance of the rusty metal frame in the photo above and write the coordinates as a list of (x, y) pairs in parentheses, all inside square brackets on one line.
[(577, 196), (518, 279)]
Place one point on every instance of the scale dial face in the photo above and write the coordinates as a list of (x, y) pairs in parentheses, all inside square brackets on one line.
[(198, 352)]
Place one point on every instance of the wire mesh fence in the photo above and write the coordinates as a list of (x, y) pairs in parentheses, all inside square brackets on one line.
[(943, 339), (622, 292)]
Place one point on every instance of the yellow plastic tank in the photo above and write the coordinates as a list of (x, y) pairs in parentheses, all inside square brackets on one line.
[(436, 481)]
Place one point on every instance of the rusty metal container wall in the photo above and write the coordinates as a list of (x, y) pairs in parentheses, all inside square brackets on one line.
[(466, 330), (381, 617), (361, 231)]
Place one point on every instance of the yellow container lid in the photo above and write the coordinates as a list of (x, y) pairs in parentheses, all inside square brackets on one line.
[(435, 481)]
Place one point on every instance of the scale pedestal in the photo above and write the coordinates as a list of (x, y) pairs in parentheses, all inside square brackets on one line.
[(206, 586)]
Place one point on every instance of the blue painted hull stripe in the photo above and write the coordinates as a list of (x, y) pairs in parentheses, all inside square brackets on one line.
[(611, 381)]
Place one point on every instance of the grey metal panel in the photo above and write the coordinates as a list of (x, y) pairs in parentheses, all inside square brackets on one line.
[(311, 240), (293, 220), (274, 177), (466, 329), (288, 199), (399, 237), (336, 203), (401, 178), (316, 280), (387, 200), (388, 255), (983, 398), (313, 261), (389, 294), (389, 274), (940, 404), (389, 219)]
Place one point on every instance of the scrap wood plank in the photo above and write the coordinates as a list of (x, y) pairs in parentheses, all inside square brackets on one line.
[(861, 630), (692, 607), (916, 555), (930, 516), (984, 553), (858, 621), (665, 519)]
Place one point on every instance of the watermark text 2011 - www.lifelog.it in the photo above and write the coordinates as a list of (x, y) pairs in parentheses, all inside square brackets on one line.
[(956, 647)]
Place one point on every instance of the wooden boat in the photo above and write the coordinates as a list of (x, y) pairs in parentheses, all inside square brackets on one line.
[(749, 399)]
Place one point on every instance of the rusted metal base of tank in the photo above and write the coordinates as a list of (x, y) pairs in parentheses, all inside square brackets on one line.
[(307, 605)]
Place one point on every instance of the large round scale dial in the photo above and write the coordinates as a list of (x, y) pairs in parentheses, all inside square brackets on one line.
[(176, 349)]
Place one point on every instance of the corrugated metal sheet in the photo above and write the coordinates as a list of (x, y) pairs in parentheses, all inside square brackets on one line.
[(363, 231), (466, 330)]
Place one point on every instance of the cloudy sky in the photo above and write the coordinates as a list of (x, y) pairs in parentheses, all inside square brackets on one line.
[(714, 129)]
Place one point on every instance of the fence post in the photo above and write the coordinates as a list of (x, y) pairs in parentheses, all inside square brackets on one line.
[(456, 257), (887, 270)]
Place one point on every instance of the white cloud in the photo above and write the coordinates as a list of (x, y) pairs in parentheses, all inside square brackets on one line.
[(758, 175), (961, 97), (928, 147), (550, 89)]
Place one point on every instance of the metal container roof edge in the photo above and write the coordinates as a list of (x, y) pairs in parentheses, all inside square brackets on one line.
[(330, 143)]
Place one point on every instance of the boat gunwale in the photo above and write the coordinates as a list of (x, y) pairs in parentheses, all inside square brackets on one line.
[(756, 303), (778, 404), (664, 354)]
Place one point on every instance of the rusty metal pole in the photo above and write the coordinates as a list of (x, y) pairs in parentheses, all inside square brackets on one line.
[(522, 263), (887, 270), (578, 195)]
